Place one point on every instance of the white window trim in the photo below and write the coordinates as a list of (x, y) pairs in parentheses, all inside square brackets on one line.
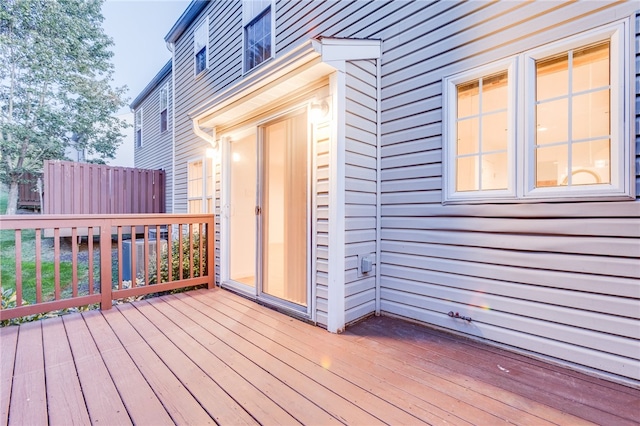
[(620, 184), (245, 22), (449, 132), (521, 69), (204, 23), (202, 195), (138, 124)]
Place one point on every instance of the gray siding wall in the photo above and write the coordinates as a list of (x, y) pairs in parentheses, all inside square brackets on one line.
[(225, 67), (322, 135), (558, 279), (360, 186), (156, 151)]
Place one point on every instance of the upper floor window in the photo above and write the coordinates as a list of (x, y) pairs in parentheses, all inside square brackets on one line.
[(164, 106), (569, 127), (258, 32), (201, 46), (138, 128)]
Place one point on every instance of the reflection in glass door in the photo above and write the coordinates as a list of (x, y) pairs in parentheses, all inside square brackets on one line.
[(284, 209), (242, 210)]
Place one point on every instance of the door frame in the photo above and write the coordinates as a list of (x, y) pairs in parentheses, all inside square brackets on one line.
[(255, 127)]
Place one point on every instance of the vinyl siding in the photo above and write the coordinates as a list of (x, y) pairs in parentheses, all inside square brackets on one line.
[(225, 67), (557, 279), (156, 150), (322, 134), (360, 186)]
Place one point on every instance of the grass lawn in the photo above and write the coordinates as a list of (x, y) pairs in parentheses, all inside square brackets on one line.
[(4, 199), (8, 265)]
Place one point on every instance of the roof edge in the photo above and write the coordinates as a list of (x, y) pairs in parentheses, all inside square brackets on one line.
[(188, 16), (165, 71)]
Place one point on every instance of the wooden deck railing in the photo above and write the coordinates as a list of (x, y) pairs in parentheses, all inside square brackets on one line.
[(54, 270)]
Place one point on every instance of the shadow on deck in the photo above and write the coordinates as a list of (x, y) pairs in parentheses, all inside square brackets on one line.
[(210, 356)]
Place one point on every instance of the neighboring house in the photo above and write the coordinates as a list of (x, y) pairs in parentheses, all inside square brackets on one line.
[(153, 128), (466, 165)]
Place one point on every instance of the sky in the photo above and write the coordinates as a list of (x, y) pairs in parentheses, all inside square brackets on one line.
[(138, 28)]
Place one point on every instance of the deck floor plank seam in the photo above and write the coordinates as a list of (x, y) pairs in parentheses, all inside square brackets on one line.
[(575, 387), (316, 350), (103, 401), (376, 406), (65, 400), (8, 345), (175, 397), (28, 391), (256, 403), (298, 405), (341, 408), (138, 396), (384, 372), (216, 357), (568, 401), (222, 408), (389, 374)]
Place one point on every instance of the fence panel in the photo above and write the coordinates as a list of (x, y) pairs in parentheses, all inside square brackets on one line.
[(85, 188), (28, 191)]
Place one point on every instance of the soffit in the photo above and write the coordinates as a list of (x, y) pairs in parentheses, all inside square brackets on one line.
[(281, 77)]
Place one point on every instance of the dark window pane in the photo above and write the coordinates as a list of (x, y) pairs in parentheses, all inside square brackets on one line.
[(201, 60)]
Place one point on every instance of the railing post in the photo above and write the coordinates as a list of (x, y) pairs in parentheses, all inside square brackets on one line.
[(105, 265), (211, 267)]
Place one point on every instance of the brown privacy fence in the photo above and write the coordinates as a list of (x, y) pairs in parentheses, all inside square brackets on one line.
[(28, 193), (84, 188)]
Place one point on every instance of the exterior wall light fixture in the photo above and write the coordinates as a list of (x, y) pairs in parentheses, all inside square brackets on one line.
[(319, 110)]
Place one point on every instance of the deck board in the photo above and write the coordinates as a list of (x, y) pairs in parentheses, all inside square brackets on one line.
[(28, 393), (8, 341), (141, 402), (101, 395), (65, 401), (397, 371), (211, 356)]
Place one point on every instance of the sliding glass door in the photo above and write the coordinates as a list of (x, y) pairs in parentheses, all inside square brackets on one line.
[(268, 210)]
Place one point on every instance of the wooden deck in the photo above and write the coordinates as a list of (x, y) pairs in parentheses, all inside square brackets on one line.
[(211, 356)]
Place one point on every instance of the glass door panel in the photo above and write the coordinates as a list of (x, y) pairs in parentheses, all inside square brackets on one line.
[(242, 214), (284, 209)]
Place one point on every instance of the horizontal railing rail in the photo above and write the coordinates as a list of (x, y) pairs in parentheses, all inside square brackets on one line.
[(45, 266)]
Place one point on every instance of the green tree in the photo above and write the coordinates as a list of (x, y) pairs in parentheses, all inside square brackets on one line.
[(55, 74)]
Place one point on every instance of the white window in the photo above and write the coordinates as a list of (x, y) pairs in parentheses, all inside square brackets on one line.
[(138, 124), (164, 106), (195, 186), (257, 19), (200, 186), (569, 124), (201, 46)]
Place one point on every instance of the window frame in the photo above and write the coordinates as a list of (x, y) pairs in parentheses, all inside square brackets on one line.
[(196, 197), (138, 128), (208, 180), (164, 96), (450, 99), (248, 19), (201, 28), (620, 184), (522, 123)]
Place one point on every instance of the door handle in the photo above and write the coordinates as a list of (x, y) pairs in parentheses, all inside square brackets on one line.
[(258, 210)]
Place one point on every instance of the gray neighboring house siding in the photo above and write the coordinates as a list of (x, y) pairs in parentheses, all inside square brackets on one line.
[(156, 151), (560, 280)]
